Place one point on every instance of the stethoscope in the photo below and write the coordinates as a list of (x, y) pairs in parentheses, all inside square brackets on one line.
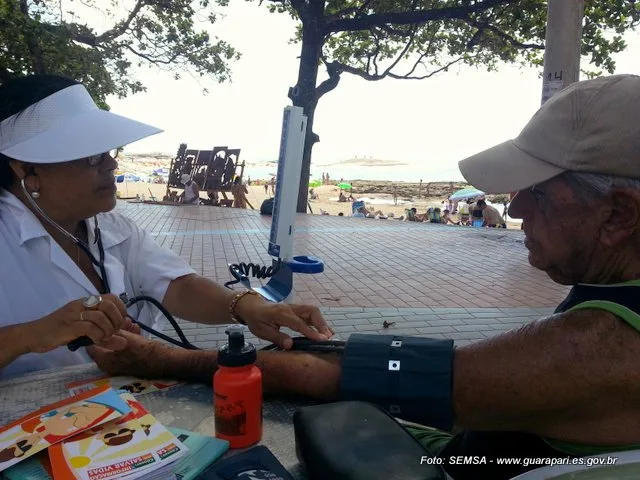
[(299, 343), (99, 262)]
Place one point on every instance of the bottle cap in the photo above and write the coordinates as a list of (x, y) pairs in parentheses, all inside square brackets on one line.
[(236, 353)]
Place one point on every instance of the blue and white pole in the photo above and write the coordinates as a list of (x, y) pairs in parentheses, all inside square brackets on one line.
[(280, 286)]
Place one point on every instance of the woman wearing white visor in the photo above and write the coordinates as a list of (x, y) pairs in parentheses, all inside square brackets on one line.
[(56, 187)]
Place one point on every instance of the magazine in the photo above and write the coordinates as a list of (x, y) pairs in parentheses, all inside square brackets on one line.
[(133, 385), (133, 446), (57, 422)]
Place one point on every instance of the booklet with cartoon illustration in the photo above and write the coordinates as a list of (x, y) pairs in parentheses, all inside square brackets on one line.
[(133, 385), (57, 422), (203, 451), (133, 446)]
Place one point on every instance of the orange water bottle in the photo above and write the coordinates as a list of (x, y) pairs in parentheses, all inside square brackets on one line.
[(237, 392)]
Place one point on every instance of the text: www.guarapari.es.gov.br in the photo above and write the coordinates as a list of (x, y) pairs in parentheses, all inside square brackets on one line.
[(525, 461)]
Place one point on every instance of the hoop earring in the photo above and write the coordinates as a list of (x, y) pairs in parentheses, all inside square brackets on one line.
[(35, 195)]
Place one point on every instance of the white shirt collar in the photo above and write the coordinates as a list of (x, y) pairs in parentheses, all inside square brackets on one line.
[(30, 226)]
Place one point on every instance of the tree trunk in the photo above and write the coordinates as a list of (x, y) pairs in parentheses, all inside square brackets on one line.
[(37, 62), (304, 95)]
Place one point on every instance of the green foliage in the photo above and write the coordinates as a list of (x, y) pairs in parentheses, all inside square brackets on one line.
[(47, 36), (418, 38)]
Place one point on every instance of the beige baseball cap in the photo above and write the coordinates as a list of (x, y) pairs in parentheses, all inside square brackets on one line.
[(589, 126)]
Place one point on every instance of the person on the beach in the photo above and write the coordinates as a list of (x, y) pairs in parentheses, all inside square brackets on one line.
[(435, 215), (239, 192), (191, 193), (490, 215), (463, 213), (446, 218), (414, 216), (365, 212), (475, 212)]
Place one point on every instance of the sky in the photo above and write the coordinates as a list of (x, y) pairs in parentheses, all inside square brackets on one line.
[(436, 121)]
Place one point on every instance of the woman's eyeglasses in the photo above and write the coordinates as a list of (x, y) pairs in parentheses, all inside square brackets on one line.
[(96, 160)]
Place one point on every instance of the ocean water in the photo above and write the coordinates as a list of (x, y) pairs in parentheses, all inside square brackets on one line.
[(350, 173)]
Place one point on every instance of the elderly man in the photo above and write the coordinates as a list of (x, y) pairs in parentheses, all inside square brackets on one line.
[(566, 385)]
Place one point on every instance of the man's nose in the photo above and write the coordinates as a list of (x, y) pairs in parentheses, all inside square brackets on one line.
[(517, 207)]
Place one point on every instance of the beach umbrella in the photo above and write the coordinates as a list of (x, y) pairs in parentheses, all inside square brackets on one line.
[(466, 193), (344, 186), (315, 183)]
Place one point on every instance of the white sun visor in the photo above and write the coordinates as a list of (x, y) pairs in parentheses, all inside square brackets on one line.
[(65, 126)]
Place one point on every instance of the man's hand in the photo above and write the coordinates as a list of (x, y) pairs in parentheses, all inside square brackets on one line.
[(264, 319), (136, 359)]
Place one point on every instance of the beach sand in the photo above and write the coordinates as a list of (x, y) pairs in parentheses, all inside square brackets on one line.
[(378, 195), (327, 201)]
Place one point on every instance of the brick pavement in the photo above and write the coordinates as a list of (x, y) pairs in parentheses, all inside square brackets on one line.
[(433, 280)]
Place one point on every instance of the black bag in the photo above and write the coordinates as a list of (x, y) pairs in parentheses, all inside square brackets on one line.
[(257, 462), (267, 207), (359, 441)]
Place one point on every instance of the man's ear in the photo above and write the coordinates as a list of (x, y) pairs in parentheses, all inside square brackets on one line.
[(623, 217)]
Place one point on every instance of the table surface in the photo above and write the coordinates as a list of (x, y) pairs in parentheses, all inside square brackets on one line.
[(187, 406), (190, 406)]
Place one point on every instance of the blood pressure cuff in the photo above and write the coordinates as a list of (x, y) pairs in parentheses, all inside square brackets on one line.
[(358, 441), (409, 377)]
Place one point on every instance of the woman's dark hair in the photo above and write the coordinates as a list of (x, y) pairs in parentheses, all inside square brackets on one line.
[(18, 94)]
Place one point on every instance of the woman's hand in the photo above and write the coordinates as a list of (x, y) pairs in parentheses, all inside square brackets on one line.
[(74, 320), (264, 319)]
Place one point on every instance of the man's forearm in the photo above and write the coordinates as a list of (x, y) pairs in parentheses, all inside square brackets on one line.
[(13, 340), (294, 373)]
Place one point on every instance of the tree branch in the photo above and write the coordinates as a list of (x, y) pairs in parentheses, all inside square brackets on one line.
[(118, 30), (427, 51), (154, 60), (349, 11), (402, 54), (367, 76), (405, 18), (503, 35), (334, 71)]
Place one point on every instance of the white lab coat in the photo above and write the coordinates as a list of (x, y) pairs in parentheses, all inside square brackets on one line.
[(37, 277)]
